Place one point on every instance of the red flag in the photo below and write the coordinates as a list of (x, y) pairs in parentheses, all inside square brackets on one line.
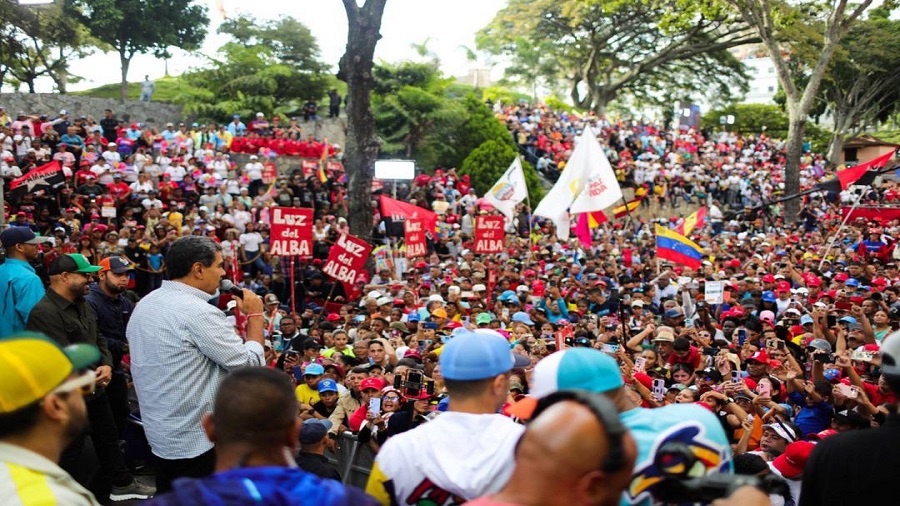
[(849, 176), (397, 210)]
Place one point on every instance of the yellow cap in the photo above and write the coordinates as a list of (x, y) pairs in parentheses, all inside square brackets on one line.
[(31, 366)]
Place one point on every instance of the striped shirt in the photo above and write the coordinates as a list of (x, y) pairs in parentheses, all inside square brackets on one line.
[(181, 348), (27, 478)]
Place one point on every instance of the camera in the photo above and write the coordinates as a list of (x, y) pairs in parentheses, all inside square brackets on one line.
[(675, 460)]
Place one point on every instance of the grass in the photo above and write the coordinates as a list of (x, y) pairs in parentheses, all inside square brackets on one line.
[(167, 88)]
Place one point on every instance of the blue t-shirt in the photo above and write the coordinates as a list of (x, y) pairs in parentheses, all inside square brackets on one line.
[(155, 260), (690, 424), (812, 419)]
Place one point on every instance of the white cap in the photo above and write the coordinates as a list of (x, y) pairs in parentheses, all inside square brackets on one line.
[(374, 294), (436, 297), (63, 112), (384, 300), (479, 288), (522, 288)]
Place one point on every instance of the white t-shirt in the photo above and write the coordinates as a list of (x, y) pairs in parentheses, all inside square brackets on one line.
[(254, 170), (251, 241), (465, 455), (176, 172)]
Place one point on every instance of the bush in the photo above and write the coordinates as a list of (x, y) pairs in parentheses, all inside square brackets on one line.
[(486, 163)]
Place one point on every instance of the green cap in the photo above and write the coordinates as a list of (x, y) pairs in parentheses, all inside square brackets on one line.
[(483, 318), (71, 262)]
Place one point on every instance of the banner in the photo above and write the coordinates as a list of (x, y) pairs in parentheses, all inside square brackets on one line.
[(45, 177), (399, 211), (509, 190), (882, 214), (347, 262), (489, 234), (291, 231), (414, 230)]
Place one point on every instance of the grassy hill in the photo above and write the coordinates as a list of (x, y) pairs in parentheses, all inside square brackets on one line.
[(167, 88)]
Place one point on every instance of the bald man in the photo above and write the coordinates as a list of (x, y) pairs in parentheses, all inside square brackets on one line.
[(559, 459)]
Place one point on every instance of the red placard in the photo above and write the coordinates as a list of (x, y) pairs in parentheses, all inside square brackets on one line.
[(347, 259), (309, 167), (415, 238), (291, 231), (489, 234)]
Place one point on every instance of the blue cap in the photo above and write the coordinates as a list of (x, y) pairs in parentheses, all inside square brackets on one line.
[(522, 317), (478, 354), (805, 319), (314, 370), (413, 316), (327, 385), (847, 319), (20, 235), (236, 116), (508, 296), (769, 296), (852, 282), (313, 431), (672, 313)]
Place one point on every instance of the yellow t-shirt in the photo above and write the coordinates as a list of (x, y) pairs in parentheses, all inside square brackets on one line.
[(306, 395)]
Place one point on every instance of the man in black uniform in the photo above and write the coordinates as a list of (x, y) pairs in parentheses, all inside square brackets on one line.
[(312, 449), (112, 310), (859, 466)]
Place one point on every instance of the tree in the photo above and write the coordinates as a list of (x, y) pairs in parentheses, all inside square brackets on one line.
[(355, 68), (749, 119), (40, 42), (486, 163), (272, 67), (863, 85), (606, 48), (134, 27), (777, 22)]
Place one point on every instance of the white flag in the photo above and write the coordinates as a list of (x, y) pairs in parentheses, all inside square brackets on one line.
[(601, 189), (555, 205), (509, 190)]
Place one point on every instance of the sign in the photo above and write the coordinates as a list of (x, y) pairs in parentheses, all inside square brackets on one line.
[(347, 259), (108, 211), (489, 234), (414, 230), (291, 231), (309, 167), (715, 292)]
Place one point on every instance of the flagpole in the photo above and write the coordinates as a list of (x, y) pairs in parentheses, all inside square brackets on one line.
[(630, 217), (838, 232)]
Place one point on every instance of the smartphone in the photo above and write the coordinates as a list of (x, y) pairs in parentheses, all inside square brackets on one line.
[(847, 391), (611, 349), (505, 312), (375, 405), (413, 383), (832, 320), (861, 355), (736, 377), (291, 353), (640, 363), (430, 326), (742, 336), (659, 389)]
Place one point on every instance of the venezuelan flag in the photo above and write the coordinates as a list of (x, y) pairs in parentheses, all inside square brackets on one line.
[(631, 205), (677, 248)]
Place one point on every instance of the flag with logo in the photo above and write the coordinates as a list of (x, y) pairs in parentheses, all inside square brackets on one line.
[(555, 205), (45, 177), (602, 188), (509, 190)]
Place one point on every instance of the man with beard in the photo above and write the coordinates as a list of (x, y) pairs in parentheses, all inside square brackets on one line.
[(112, 309), (42, 410), (63, 315)]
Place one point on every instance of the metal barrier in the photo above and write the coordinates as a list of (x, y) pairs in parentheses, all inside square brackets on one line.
[(353, 460)]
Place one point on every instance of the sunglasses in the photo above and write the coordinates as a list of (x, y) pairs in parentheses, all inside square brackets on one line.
[(392, 398), (85, 383)]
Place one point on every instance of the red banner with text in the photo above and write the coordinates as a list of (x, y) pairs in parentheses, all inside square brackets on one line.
[(291, 231), (415, 238), (489, 234)]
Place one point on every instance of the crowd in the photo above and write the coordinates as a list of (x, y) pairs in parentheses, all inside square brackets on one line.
[(439, 362)]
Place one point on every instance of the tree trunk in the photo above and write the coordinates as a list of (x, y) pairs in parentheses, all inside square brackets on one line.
[(355, 69), (61, 76), (794, 150), (124, 63), (836, 147)]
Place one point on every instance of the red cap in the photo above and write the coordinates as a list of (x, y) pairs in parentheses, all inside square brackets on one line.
[(841, 276), (879, 282), (760, 356), (376, 383), (812, 280), (333, 317), (791, 463), (768, 278), (421, 265), (783, 286), (818, 436), (453, 325), (733, 263)]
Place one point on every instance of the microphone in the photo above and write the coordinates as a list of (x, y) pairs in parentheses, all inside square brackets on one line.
[(226, 285)]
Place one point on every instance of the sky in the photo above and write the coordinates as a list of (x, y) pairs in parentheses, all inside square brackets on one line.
[(446, 25)]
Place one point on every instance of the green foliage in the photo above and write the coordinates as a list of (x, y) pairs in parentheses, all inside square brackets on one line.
[(271, 67), (749, 119), (619, 47), (133, 27), (504, 95), (168, 89), (486, 163), (40, 42)]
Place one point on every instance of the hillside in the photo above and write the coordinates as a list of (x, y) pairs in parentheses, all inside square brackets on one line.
[(167, 88)]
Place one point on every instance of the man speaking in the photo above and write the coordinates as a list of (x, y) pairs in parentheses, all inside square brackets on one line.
[(181, 348)]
